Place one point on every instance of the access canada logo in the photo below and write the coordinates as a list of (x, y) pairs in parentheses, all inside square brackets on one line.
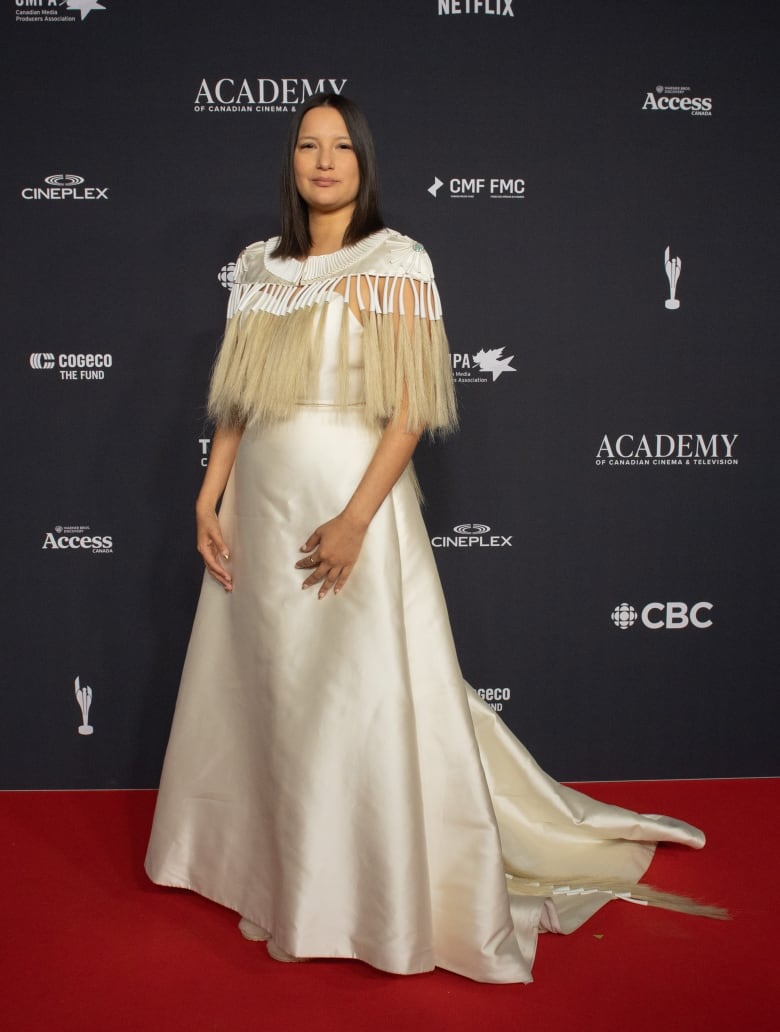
[(472, 535), (65, 186), (677, 99), (483, 367), (495, 188), (77, 538), (261, 95), (72, 366), (667, 450), (46, 11), (659, 616)]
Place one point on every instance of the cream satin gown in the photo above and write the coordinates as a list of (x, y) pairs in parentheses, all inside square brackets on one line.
[(329, 774)]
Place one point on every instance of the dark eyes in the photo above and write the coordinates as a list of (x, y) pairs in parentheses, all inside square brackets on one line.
[(308, 145)]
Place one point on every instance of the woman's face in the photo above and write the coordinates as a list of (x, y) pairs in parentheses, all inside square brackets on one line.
[(325, 165)]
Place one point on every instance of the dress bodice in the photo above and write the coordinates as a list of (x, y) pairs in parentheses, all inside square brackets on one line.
[(325, 388)]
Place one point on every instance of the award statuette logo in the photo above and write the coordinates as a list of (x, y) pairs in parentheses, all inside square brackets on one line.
[(673, 269), (84, 699)]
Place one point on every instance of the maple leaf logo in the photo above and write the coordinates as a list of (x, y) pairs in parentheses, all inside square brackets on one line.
[(492, 362)]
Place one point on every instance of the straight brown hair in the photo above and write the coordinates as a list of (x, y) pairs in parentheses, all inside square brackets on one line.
[(295, 239)]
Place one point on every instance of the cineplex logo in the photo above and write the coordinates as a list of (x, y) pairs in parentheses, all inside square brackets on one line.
[(55, 10), (73, 366), (500, 7), (472, 535), (670, 616), (65, 187), (260, 95), (77, 538), (484, 367), (667, 450), (675, 98), (493, 187)]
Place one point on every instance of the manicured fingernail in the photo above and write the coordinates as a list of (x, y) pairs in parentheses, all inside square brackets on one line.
[(226, 555), (303, 548)]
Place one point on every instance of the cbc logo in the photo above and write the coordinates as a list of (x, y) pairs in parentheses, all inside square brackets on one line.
[(226, 274), (671, 616)]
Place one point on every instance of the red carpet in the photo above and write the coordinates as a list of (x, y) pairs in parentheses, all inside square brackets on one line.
[(88, 945)]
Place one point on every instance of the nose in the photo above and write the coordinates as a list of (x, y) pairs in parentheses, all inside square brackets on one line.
[(325, 158)]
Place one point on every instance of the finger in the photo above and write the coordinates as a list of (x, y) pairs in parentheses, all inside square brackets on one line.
[(315, 577), (308, 563), (215, 568), (311, 542), (330, 580), (343, 577)]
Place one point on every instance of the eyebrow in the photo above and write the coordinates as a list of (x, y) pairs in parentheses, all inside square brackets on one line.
[(311, 136)]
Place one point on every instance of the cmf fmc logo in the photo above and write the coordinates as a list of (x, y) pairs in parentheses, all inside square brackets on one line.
[(670, 616)]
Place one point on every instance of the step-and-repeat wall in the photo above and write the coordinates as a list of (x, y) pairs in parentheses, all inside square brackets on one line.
[(596, 185)]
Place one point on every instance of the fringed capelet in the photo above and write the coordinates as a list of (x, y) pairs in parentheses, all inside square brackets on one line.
[(269, 358)]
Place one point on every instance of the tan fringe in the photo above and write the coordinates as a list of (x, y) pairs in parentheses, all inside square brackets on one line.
[(269, 359), (638, 892)]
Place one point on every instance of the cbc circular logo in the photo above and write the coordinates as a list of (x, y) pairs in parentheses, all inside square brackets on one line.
[(225, 275), (624, 616), (41, 360), (471, 528), (670, 616), (64, 179)]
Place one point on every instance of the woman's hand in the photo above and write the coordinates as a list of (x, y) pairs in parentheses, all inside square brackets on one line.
[(334, 549), (212, 547)]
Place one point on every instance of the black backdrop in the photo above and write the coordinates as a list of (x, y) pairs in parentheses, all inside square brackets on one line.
[(573, 143)]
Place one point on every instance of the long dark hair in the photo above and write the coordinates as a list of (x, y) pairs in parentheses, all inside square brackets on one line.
[(295, 239)]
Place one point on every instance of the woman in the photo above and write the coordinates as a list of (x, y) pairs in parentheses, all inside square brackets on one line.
[(329, 776)]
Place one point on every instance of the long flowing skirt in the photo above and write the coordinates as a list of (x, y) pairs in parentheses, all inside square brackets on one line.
[(329, 774)]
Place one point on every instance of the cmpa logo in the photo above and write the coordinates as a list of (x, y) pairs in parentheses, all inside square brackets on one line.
[(73, 366), (472, 535), (500, 7), (260, 95), (55, 10), (65, 186), (496, 188), (77, 539), (226, 274), (675, 98), (670, 616), (667, 450), (477, 368)]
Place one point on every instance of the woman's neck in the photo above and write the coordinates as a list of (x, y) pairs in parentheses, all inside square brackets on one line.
[(327, 230)]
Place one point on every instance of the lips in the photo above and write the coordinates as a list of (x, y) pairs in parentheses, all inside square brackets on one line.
[(324, 182)]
